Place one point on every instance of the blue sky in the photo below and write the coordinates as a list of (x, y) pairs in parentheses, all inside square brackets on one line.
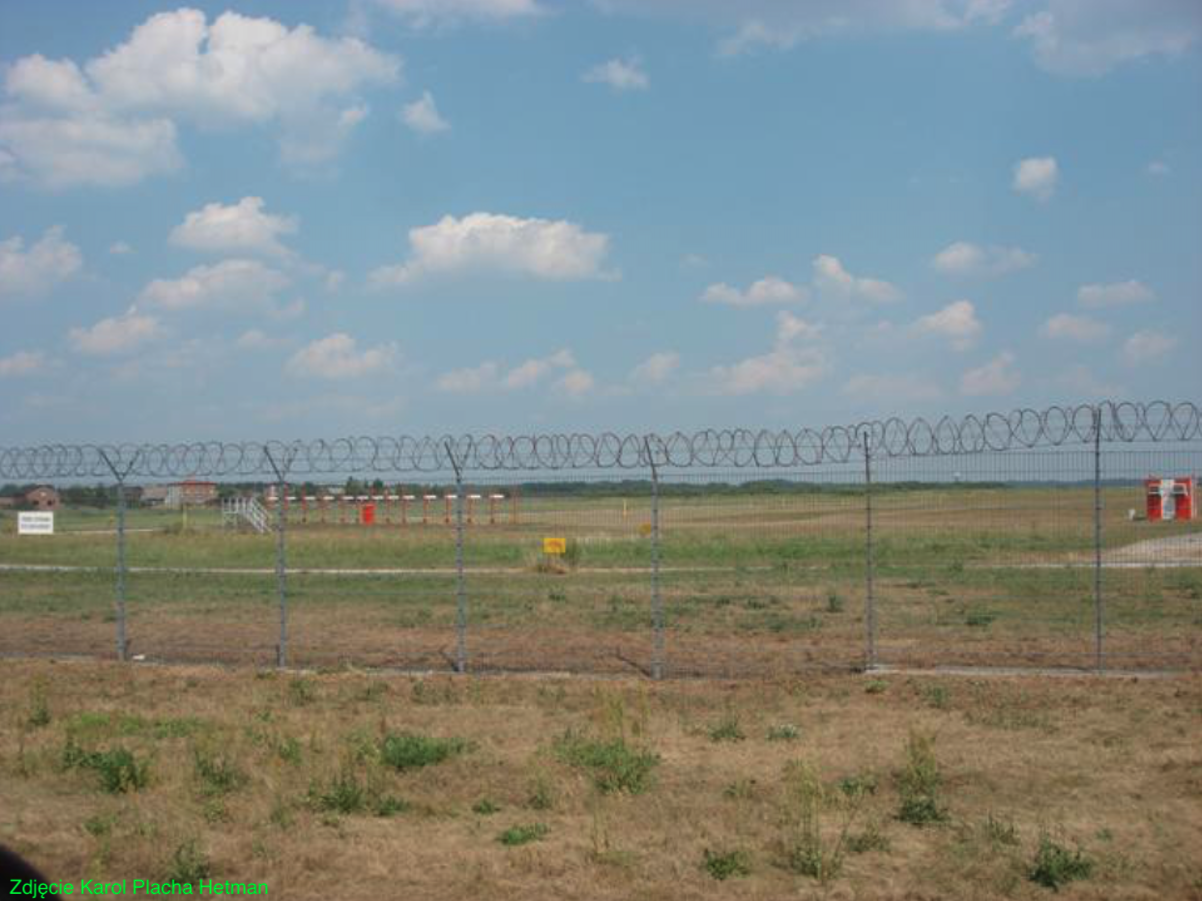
[(292, 219)]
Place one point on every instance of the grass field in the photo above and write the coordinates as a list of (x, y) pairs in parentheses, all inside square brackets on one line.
[(825, 786), (751, 584)]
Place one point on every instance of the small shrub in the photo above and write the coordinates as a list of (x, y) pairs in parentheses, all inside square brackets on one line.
[(728, 729), (1000, 832), (99, 826), (411, 750), (345, 794), (118, 769), (301, 692), (934, 695), (485, 807), (39, 710), (740, 790), (189, 864), (614, 765), (859, 784), (1055, 865), (217, 775), (871, 839), (783, 732), (722, 865), (523, 835), (542, 793), (979, 618), (288, 749), (388, 805), (919, 782), (807, 850), (572, 553), (834, 603), (875, 686)]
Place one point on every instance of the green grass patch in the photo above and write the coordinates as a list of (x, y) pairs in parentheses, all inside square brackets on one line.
[(613, 765)]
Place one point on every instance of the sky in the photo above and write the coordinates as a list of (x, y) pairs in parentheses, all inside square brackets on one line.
[(301, 219)]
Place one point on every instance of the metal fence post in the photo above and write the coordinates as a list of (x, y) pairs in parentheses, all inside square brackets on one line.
[(281, 559), (657, 601), (460, 581), (869, 564), (119, 475), (1098, 608)]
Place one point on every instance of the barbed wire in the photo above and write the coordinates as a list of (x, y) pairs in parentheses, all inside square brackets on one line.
[(1020, 429)]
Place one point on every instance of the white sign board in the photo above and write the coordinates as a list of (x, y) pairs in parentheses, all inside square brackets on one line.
[(35, 523)]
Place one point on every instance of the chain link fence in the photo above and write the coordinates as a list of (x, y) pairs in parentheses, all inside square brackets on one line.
[(1062, 538)]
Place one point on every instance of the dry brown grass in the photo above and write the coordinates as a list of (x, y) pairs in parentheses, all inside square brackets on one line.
[(1114, 765)]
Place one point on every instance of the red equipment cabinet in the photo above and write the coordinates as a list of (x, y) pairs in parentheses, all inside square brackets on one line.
[(1170, 499)]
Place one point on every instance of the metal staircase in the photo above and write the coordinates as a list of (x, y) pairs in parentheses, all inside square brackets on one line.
[(238, 510)]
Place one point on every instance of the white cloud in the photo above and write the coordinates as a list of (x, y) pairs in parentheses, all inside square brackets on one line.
[(23, 362), (1075, 328), (621, 75), (576, 383), (997, 377), (781, 24), (115, 335), (1036, 177), (255, 339), (48, 262), (831, 278), (337, 356), (542, 248), (1147, 346), (786, 369), (1158, 167), (489, 376), (435, 13), (656, 368), (114, 120), (957, 322), (1091, 37), (423, 117), (1117, 294), (892, 388), (1082, 383), (768, 290), (964, 258), (120, 249), (239, 228), (230, 284)]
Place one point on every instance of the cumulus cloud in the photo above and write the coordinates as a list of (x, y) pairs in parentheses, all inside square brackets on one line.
[(23, 362), (1036, 177), (337, 356), (619, 74), (32, 271), (1147, 346), (490, 376), (120, 249), (768, 290), (540, 248), (789, 367), (423, 117), (575, 383), (115, 335), (255, 339), (996, 378), (656, 369), (1117, 294), (230, 284), (1082, 329), (964, 258), (441, 13), (114, 120), (957, 322), (1091, 37), (239, 228), (831, 278), (772, 24), (1158, 167)]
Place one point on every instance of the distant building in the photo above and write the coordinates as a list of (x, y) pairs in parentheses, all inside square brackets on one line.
[(155, 495), (190, 493), (6, 501), (43, 498)]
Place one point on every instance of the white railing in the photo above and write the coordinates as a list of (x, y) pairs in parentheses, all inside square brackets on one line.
[(236, 510)]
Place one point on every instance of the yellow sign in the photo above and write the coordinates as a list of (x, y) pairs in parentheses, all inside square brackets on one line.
[(644, 528), (555, 545)]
